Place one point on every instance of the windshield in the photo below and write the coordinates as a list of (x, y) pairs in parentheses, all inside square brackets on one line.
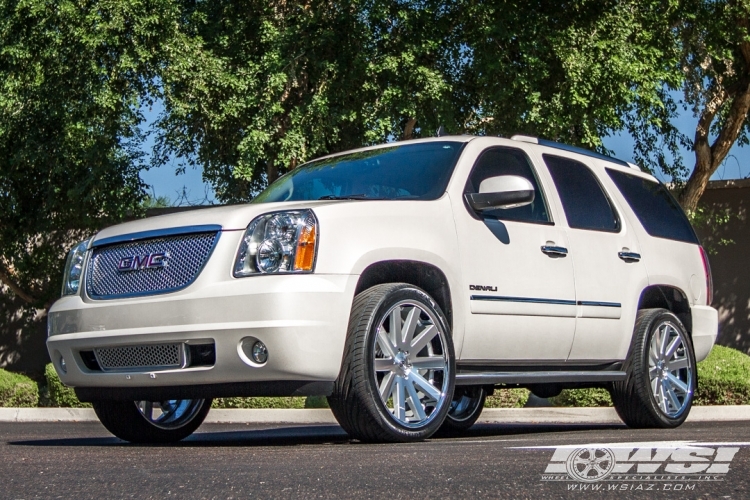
[(414, 172)]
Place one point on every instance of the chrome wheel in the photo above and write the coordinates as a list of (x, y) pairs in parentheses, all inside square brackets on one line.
[(170, 414), (670, 370), (411, 364)]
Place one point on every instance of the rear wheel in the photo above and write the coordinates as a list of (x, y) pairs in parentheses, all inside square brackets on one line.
[(658, 391), (152, 421), (397, 375), (465, 408)]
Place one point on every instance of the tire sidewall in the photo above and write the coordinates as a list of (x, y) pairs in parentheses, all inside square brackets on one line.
[(414, 294), (644, 383)]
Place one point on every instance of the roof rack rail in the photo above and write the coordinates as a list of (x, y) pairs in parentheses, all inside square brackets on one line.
[(571, 149)]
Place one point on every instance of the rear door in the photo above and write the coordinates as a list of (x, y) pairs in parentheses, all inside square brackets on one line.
[(521, 299), (605, 253)]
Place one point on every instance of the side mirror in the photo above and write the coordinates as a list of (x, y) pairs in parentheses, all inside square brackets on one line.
[(504, 191)]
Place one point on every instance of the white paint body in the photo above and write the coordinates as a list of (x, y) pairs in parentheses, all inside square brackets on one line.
[(303, 318)]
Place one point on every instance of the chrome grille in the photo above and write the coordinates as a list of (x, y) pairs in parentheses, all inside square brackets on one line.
[(184, 257), (141, 357)]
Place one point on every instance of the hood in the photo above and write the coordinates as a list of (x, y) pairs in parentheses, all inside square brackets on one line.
[(230, 217)]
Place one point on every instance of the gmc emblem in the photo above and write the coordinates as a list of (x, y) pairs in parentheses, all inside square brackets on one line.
[(156, 260)]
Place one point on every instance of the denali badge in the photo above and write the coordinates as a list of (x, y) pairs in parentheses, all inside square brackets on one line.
[(483, 288), (154, 260)]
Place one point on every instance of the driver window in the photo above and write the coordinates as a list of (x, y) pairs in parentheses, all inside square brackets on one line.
[(508, 161)]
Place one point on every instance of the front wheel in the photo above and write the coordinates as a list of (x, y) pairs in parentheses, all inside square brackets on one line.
[(152, 421), (658, 391), (398, 372)]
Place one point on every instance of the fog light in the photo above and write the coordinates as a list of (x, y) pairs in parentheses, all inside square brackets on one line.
[(259, 352), (63, 366)]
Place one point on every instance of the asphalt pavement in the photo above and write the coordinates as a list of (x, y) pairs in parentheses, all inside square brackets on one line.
[(81, 460)]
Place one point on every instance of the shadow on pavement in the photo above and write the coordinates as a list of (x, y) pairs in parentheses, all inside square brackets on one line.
[(313, 434)]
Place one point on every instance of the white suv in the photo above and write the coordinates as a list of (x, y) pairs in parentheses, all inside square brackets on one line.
[(405, 282)]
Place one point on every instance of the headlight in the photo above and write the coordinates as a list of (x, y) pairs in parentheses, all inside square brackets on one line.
[(74, 269), (279, 242)]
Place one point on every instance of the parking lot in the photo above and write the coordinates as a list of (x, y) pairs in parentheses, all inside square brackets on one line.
[(81, 460)]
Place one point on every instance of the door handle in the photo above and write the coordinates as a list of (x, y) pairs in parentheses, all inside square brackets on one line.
[(554, 251), (629, 256)]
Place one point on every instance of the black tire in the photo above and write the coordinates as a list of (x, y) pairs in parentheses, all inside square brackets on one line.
[(125, 420), (634, 398), (466, 406), (356, 401)]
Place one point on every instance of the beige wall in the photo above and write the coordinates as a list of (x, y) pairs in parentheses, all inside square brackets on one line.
[(730, 264)]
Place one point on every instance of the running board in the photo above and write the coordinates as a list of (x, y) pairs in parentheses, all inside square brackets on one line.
[(492, 378)]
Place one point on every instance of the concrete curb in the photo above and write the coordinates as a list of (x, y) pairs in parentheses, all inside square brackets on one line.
[(324, 416)]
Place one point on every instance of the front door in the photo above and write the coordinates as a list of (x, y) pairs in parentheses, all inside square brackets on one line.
[(518, 281)]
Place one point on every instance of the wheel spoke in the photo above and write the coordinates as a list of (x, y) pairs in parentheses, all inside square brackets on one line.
[(424, 337), (664, 339), (408, 328), (414, 402), (394, 330), (399, 403), (429, 363), (667, 389), (424, 385), (678, 364), (385, 343), (663, 399), (386, 386), (384, 365), (676, 382), (148, 410), (653, 372), (672, 347)]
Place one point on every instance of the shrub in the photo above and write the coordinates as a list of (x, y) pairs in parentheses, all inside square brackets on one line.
[(17, 390), (507, 398), (252, 403), (582, 398), (59, 393), (724, 378)]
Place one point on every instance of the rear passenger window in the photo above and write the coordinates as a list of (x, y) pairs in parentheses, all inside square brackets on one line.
[(659, 213), (509, 161), (584, 201)]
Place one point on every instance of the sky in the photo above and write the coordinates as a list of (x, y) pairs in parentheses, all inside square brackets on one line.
[(190, 189)]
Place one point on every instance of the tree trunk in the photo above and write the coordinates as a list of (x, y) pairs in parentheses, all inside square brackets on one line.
[(409, 128), (709, 158), (17, 290), (272, 171)]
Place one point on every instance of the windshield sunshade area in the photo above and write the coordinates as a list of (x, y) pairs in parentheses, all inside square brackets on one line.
[(410, 172)]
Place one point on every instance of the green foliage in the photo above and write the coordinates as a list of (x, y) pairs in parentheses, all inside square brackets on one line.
[(73, 75), (17, 390), (582, 398), (724, 378), (507, 398), (254, 88), (260, 403), (711, 223), (316, 402), (59, 393)]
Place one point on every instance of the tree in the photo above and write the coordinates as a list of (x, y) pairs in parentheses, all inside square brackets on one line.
[(72, 76), (253, 88), (715, 59)]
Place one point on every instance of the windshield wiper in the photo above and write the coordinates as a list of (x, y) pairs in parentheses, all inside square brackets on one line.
[(348, 197)]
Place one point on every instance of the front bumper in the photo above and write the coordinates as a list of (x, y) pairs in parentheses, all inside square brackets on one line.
[(302, 319)]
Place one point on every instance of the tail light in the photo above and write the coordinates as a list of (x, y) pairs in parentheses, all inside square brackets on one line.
[(709, 279)]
